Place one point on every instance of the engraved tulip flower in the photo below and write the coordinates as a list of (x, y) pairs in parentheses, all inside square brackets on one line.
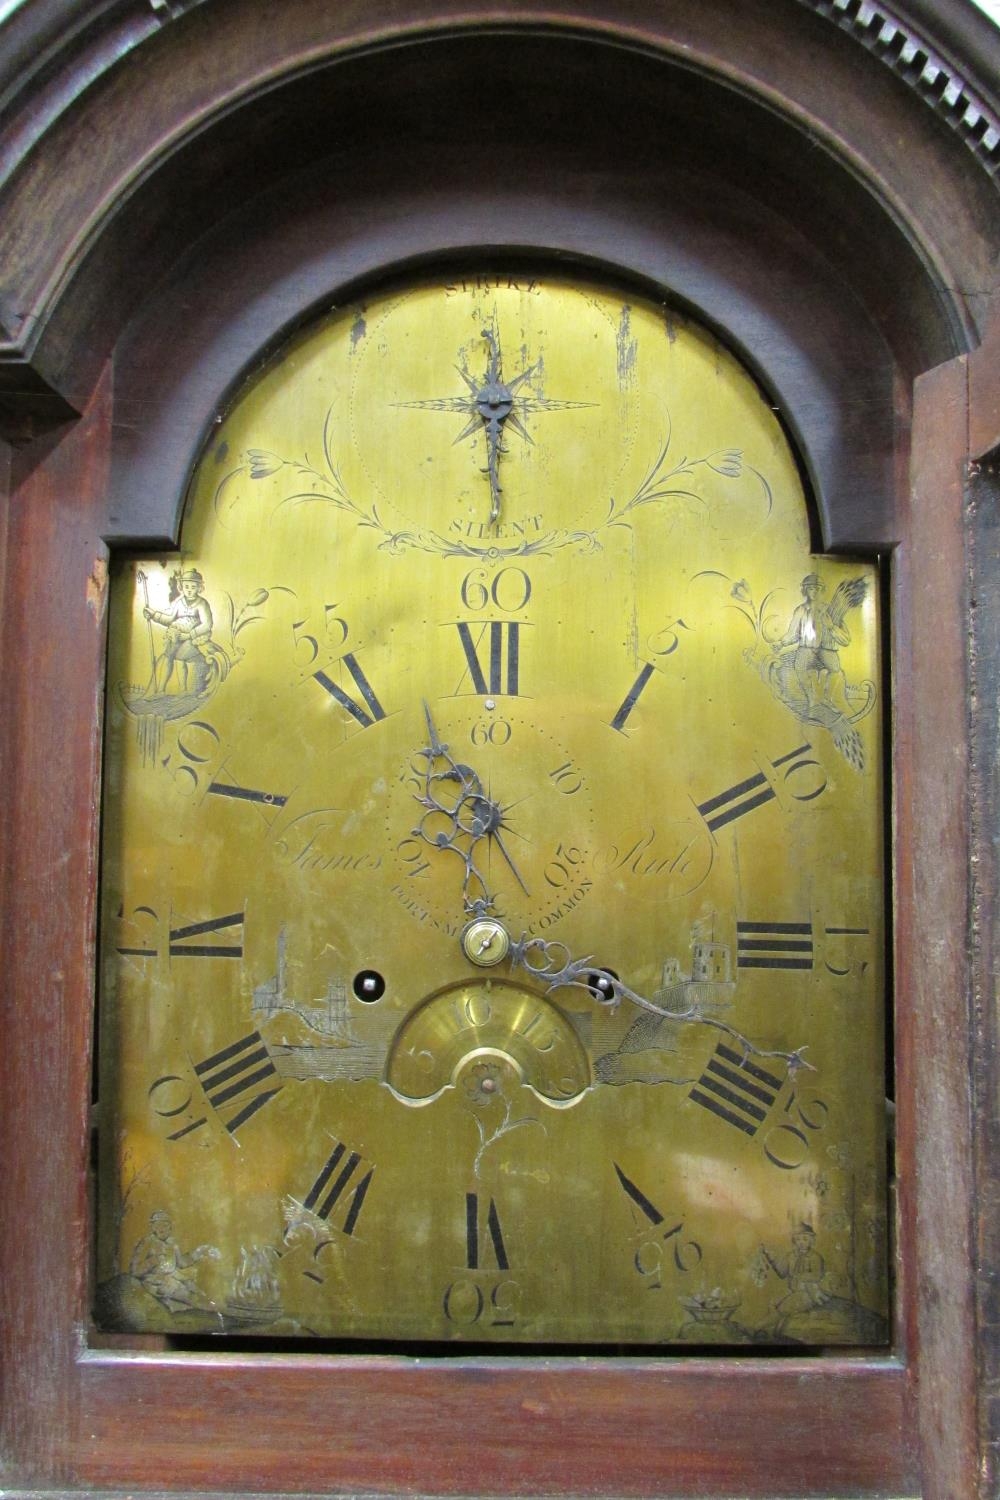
[(263, 464), (728, 462)]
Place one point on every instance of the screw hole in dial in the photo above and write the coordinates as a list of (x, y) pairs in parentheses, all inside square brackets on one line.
[(368, 986)]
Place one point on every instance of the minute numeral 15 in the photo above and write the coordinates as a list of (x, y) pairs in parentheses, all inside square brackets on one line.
[(790, 945)]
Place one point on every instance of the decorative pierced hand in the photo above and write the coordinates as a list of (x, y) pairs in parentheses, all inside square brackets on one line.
[(494, 401), (553, 964), (458, 815)]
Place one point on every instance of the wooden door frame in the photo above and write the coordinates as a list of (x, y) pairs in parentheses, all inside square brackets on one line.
[(141, 285)]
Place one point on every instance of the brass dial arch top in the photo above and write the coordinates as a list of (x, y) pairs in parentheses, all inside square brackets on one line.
[(493, 915)]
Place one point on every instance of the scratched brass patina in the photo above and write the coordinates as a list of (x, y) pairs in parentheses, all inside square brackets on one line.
[(493, 893)]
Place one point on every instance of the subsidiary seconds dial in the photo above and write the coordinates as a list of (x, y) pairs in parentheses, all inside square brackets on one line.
[(497, 820)]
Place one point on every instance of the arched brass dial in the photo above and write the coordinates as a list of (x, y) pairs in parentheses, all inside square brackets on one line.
[(493, 908)]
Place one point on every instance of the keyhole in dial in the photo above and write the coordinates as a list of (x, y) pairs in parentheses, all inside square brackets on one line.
[(601, 984), (369, 986)]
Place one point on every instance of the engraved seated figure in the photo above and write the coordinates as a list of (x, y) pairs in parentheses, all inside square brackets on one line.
[(816, 636), (164, 1269)]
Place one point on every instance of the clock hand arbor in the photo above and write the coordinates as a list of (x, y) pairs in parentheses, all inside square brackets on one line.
[(492, 404)]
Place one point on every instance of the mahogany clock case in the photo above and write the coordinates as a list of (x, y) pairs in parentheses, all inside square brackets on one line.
[(673, 159)]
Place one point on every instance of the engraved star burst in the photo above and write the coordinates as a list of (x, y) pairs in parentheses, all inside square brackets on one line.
[(495, 404)]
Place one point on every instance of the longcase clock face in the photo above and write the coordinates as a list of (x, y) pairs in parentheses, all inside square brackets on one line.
[(493, 905)]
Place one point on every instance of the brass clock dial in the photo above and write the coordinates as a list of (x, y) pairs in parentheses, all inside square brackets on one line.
[(493, 904)]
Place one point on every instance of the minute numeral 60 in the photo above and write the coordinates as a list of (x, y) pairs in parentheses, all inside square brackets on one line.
[(491, 732), (508, 591)]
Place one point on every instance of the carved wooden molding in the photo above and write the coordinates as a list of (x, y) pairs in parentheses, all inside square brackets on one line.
[(138, 79), (911, 54), (913, 58)]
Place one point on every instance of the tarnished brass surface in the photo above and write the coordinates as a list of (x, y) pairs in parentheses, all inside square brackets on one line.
[(632, 720)]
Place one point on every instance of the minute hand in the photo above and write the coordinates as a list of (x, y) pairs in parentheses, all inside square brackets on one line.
[(513, 867)]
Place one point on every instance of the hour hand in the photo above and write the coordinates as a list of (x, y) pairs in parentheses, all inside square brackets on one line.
[(554, 965), (513, 867)]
